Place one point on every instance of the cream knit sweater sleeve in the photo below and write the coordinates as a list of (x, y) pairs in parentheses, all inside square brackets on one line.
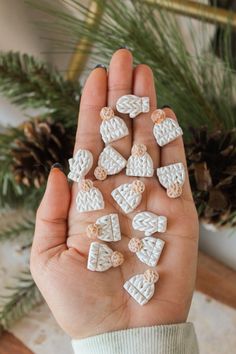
[(168, 339)]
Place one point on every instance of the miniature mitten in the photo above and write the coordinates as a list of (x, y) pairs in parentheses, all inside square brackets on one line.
[(101, 257), (110, 162), (147, 249), (142, 286), (129, 195), (149, 223), (172, 177), (140, 163), (106, 228), (80, 165), (132, 105), (112, 128), (165, 129), (89, 198)]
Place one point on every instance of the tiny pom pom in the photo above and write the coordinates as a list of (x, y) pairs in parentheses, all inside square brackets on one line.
[(151, 276), (85, 185), (117, 259), (138, 150), (106, 113), (158, 116), (174, 191), (100, 173), (135, 245), (138, 186), (93, 231)]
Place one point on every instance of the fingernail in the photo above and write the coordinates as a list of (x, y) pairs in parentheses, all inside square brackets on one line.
[(57, 165), (166, 106), (100, 66), (125, 47)]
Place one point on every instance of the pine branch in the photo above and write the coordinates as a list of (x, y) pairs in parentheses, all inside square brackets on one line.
[(10, 232), (29, 83), (10, 192), (190, 84), (21, 300)]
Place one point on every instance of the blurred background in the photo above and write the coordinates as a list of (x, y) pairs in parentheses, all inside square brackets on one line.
[(46, 51)]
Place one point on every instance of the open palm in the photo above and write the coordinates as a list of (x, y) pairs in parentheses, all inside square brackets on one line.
[(86, 303)]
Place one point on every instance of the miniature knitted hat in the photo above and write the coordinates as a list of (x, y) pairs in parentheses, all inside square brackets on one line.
[(106, 228), (89, 198), (165, 129), (172, 177), (112, 128), (147, 249), (110, 162), (129, 195), (142, 286), (101, 257), (149, 223), (140, 163)]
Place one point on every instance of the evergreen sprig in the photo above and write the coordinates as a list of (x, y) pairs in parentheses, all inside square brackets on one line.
[(21, 300), (30, 83), (10, 192), (199, 87), (12, 231)]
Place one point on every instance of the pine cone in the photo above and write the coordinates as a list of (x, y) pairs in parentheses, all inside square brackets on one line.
[(211, 161), (43, 143)]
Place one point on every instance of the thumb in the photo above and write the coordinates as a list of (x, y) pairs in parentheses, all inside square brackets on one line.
[(51, 217)]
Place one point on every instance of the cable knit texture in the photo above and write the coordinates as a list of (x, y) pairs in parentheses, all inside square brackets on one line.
[(168, 339)]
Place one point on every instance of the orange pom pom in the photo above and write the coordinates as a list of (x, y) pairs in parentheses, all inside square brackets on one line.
[(106, 113), (151, 276), (138, 150), (85, 185), (138, 186), (117, 259), (93, 231), (174, 191), (158, 116), (100, 173), (135, 245)]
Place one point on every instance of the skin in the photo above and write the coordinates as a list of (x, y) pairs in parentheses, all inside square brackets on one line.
[(86, 303)]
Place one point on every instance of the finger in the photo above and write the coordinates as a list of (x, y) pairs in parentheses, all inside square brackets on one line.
[(51, 218), (93, 99), (143, 125), (120, 78), (174, 152)]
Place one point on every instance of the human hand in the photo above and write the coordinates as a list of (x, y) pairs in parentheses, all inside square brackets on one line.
[(86, 303)]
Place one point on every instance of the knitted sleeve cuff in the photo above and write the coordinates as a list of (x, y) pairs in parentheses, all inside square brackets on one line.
[(166, 339)]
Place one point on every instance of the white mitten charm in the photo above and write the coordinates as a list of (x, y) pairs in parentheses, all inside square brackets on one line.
[(106, 228), (101, 257), (147, 249), (140, 162), (165, 129), (89, 198), (129, 195), (110, 162), (149, 223), (112, 128), (132, 105), (172, 177), (80, 165), (142, 286)]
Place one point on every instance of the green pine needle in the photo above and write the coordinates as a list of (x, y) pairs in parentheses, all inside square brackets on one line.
[(21, 300)]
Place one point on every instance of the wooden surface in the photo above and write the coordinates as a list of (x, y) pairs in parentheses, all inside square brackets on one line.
[(216, 280), (213, 279), (10, 345)]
